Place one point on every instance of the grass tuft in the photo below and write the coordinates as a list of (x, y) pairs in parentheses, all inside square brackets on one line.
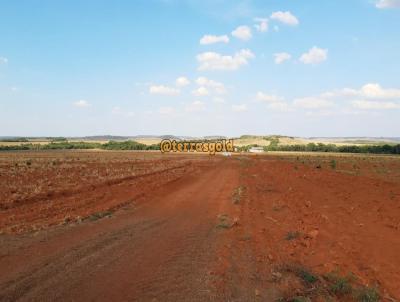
[(367, 294), (237, 194), (307, 276), (99, 215), (340, 285), (224, 221), (292, 235)]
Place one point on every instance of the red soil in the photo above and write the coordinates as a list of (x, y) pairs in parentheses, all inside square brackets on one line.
[(194, 227)]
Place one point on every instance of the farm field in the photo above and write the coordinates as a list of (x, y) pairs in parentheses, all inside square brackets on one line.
[(146, 226)]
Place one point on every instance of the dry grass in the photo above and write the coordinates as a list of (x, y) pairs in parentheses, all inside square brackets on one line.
[(149, 141)]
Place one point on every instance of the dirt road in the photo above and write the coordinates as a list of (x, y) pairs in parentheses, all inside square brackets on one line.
[(230, 229), (161, 249)]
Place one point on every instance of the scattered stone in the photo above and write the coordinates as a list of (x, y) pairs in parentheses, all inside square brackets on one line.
[(272, 219), (276, 276), (313, 234)]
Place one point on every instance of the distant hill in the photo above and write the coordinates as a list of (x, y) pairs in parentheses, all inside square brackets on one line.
[(244, 140)]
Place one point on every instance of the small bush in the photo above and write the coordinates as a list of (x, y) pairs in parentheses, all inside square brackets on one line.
[(224, 222), (307, 276), (99, 215), (292, 235), (339, 285), (367, 294)]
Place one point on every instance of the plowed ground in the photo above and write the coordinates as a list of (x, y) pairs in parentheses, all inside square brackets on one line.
[(123, 226)]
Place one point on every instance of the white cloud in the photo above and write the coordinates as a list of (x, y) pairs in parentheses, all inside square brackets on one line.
[(320, 113), (163, 90), (285, 17), (364, 104), (314, 56), (373, 90), (3, 60), (182, 82), (195, 106), (211, 39), (217, 86), (239, 108), (216, 61), (82, 104), (387, 3), (166, 110), (201, 91), (268, 98), (118, 111), (218, 100), (273, 101), (371, 96), (242, 32), (262, 25), (281, 57), (369, 91), (281, 106), (312, 103)]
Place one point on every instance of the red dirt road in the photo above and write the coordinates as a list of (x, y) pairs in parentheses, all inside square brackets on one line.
[(193, 235), (161, 249)]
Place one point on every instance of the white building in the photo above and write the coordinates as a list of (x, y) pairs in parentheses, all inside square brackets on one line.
[(256, 150)]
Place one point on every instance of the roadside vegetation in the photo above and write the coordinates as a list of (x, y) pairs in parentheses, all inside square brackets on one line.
[(330, 287)]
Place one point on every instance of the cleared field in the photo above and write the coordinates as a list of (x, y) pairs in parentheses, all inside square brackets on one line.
[(168, 227)]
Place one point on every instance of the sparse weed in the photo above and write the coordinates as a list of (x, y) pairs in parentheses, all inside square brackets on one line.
[(306, 275), (245, 237), (99, 215), (328, 287), (300, 299), (367, 294), (237, 194), (292, 235), (340, 285), (224, 221)]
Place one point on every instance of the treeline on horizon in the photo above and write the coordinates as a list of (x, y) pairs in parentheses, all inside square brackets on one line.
[(65, 145), (312, 147), (273, 146)]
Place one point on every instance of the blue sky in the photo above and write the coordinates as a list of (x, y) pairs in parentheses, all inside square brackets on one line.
[(301, 68)]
